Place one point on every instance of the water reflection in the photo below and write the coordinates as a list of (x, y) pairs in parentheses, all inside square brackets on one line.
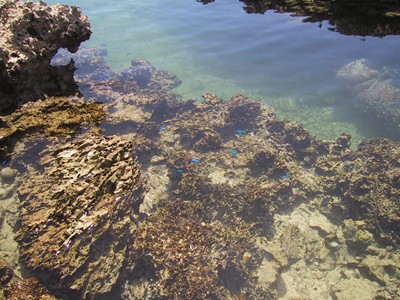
[(366, 18)]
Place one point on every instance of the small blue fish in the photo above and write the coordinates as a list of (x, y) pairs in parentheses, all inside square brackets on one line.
[(286, 176), (195, 160), (4, 162), (240, 131), (180, 171), (234, 153), (162, 128)]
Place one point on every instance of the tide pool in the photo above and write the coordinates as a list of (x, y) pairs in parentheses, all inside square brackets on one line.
[(218, 48)]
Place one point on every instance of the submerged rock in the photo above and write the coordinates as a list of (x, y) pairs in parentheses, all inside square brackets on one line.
[(382, 99), (138, 96), (7, 175), (30, 35), (374, 91), (49, 117), (357, 71), (79, 214)]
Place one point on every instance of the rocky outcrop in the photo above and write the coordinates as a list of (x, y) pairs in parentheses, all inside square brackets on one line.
[(30, 35)]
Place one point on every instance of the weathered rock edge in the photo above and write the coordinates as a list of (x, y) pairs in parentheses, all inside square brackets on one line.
[(30, 35)]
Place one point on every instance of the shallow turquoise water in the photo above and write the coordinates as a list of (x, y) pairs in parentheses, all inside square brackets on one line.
[(218, 48)]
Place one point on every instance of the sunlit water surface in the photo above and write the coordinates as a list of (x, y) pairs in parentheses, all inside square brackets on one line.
[(218, 48)]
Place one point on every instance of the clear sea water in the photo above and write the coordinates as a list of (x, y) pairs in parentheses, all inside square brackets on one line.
[(218, 48)]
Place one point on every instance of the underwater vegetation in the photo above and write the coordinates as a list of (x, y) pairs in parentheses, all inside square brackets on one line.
[(172, 199)]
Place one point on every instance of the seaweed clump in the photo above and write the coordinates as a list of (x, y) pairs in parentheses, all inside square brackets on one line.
[(14, 287), (195, 256), (368, 182)]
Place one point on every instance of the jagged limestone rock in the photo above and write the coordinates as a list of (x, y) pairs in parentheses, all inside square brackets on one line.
[(78, 214)]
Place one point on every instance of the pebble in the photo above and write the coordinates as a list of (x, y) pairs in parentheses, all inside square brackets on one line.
[(334, 244), (8, 174)]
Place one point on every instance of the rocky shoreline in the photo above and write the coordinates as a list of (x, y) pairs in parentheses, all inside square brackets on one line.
[(148, 196)]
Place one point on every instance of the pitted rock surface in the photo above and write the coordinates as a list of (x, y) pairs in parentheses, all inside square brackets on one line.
[(30, 35)]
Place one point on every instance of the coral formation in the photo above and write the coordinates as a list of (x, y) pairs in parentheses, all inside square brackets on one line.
[(31, 33)]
